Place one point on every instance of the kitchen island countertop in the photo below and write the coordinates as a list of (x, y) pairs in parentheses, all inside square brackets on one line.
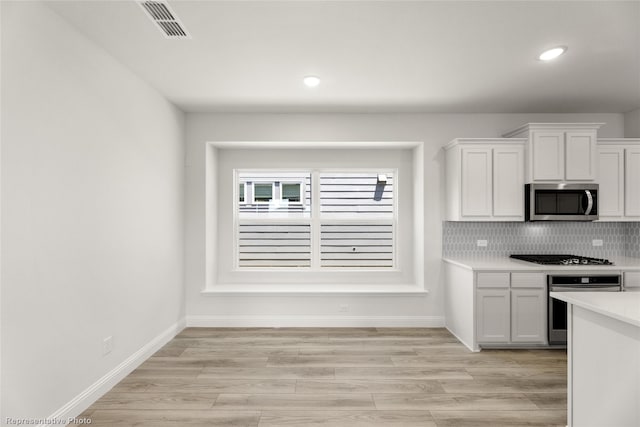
[(623, 306)]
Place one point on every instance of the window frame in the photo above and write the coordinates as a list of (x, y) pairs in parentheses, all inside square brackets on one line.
[(316, 219)]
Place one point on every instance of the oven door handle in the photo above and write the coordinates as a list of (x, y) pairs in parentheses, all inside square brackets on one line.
[(589, 202), (615, 288)]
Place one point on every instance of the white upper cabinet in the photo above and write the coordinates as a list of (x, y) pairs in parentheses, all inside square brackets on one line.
[(485, 180), (559, 151), (476, 182), (508, 182), (547, 156), (632, 182), (619, 179)]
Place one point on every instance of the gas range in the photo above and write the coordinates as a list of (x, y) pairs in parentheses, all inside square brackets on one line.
[(562, 259)]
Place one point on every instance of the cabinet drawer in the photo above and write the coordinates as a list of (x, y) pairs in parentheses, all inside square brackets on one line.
[(528, 280), (632, 279), (492, 280)]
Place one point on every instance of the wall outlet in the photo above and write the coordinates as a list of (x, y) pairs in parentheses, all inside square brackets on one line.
[(343, 308), (107, 345), (482, 243), (597, 242)]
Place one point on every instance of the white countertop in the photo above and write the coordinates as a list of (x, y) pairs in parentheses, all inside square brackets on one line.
[(505, 263), (623, 306)]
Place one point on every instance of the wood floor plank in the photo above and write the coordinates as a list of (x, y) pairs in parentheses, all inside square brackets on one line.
[(357, 351), (209, 385), (149, 400), (295, 401), (269, 372), (167, 371), (206, 361), (238, 351), (451, 401), (452, 361), (500, 418), (330, 361), (346, 418), (395, 342), (548, 400), (403, 372), (173, 418), (506, 385), (525, 371), (368, 386)]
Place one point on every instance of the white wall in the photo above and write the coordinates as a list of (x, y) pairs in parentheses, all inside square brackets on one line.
[(92, 212), (434, 130), (632, 124)]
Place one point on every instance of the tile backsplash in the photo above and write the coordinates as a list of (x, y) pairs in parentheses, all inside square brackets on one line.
[(632, 241), (506, 238)]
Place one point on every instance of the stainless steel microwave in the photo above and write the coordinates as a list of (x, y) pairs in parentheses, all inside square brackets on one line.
[(561, 202)]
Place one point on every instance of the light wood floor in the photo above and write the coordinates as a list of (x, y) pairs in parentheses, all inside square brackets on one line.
[(353, 377)]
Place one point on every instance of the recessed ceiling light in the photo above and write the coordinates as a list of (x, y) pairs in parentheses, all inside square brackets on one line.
[(311, 81), (550, 54)]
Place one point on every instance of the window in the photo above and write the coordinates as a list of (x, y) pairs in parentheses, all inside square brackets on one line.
[(291, 192), (241, 193), (262, 193), (348, 223)]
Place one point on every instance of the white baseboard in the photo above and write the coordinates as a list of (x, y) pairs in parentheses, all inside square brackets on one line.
[(96, 390), (315, 321)]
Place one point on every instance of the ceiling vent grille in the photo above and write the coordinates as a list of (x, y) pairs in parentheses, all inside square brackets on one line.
[(165, 19)]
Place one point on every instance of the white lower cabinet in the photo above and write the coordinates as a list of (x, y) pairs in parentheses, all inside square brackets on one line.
[(527, 315), (632, 281), (493, 315), (511, 310)]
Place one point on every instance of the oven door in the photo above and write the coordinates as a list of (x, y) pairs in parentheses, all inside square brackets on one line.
[(562, 202)]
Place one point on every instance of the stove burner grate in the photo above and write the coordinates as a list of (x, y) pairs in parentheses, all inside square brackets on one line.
[(554, 259)]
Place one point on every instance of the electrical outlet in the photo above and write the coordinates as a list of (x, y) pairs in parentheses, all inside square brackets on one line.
[(343, 308), (107, 345), (597, 242), (482, 243)]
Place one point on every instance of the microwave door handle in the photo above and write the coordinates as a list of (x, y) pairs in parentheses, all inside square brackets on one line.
[(589, 202)]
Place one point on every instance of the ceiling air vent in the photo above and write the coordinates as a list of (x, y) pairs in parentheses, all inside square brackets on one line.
[(165, 19)]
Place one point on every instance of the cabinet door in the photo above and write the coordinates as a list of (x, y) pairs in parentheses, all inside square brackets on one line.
[(611, 180), (492, 311), (580, 156), (508, 182), (632, 281), (528, 315), (632, 182), (547, 155), (476, 182)]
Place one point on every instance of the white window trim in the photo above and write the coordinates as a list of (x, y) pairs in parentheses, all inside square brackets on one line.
[(216, 275)]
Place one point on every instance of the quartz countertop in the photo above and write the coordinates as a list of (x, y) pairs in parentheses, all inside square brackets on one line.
[(506, 263), (623, 306)]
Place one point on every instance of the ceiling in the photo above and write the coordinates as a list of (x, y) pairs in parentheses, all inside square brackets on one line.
[(378, 56)]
